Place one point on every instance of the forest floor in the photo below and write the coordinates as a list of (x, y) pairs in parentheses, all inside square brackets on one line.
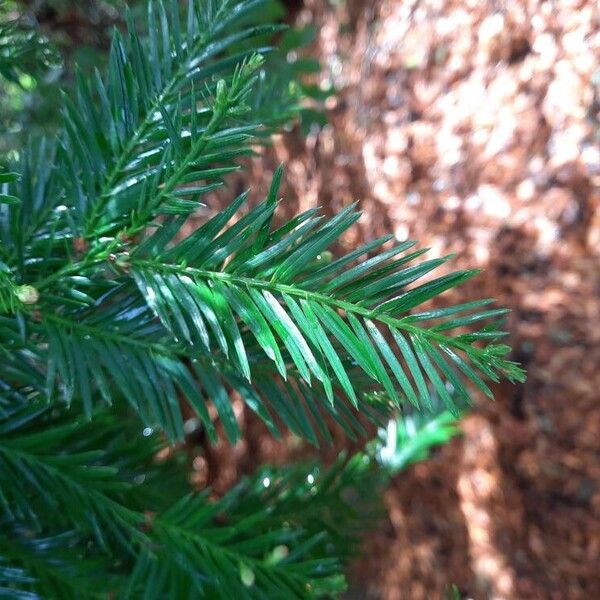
[(473, 130)]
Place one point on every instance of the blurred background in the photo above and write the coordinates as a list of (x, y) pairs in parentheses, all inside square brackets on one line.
[(473, 127)]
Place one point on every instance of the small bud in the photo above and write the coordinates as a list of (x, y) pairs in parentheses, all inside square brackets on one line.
[(325, 257), (123, 236), (247, 575), (80, 245), (221, 92), (255, 61), (148, 523), (27, 294), (120, 261), (278, 554)]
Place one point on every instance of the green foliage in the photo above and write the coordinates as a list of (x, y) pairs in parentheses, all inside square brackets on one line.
[(410, 438), (287, 87), (27, 62), (112, 319), (23, 51), (91, 511)]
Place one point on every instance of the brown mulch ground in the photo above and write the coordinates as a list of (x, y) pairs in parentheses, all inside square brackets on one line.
[(469, 125)]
